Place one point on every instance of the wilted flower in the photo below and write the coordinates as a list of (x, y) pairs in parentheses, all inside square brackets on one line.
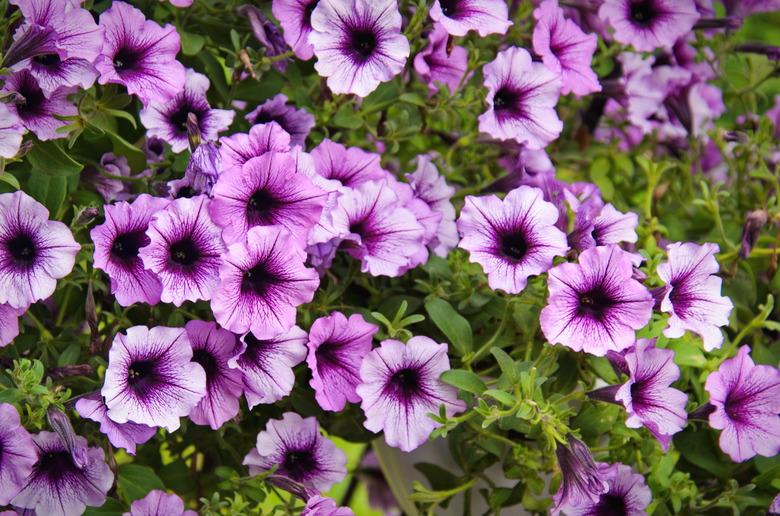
[(203, 170), (124, 435), (438, 64), (267, 33), (581, 482), (627, 494), (750, 230), (159, 503), (36, 110), (458, 17), (649, 24), (296, 122), (295, 18), (18, 453)]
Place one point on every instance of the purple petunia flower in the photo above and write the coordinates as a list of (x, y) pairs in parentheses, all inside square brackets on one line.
[(565, 49), (11, 131), (302, 454), (139, 54), (595, 306), (18, 453), (581, 482), (117, 244), (202, 171), (336, 166), (648, 396), (431, 187), (295, 18), (150, 378), (322, 506), (238, 148), (358, 43), (168, 120), (37, 110), (272, 189), (296, 122), (337, 346), (400, 385), (746, 398), (627, 494), (125, 435), (184, 250), (513, 238), (649, 24), (267, 365), (9, 323), (267, 33), (521, 97), (262, 281), (159, 503), (34, 251), (438, 64), (212, 347), (66, 477), (596, 225), (692, 293), (458, 17)]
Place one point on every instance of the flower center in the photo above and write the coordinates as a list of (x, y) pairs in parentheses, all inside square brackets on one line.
[(257, 280), (260, 208), (328, 353), (140, 372), (179, 117), (255, 352), (22, 249), (611, 505), (298, 464), (33, 98), (125, 60), (514, 245), (594, 303), (449, 8), (643, 12), (185, 252), (207, 362), (405, 383), (55, 464), (733, 408), (47, 60), (125, 247), (363, 42), (505, 99)]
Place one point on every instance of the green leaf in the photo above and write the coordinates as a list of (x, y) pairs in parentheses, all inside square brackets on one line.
[(439, 478), (698, 448), (135, 481), (50, 159), (452, 324), (112, 507), (505, 362), (48, 190), (502, 397), (687, 353), (191, 43), (10, 179), (347, 118), (69, 355), (464, 380)]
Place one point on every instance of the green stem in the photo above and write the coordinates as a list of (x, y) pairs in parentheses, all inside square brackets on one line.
[(46, 335)]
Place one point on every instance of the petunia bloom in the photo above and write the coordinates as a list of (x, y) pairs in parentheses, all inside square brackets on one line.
[(692, 293), (322, 506), (212, 347), (124, 435), (184, 250), (400, 386), (139, 54), (430, 187), (159, 503), (602, 225), (581, 482), (301, 452), (238, 148), (513, 238), (746, 398), (9, 323), (37, 111), (262, 282), (358, 43), (565, 49), (438, 64), (595, 306), (18, 453), (151, 379), (627, 494), (649, 24), (337, 166), (295, 19), (201, 174), (296, 122), (11, 132), (266, 366), (337, 346), (34, 251), (521, 100), (117, 244), (458, 17)]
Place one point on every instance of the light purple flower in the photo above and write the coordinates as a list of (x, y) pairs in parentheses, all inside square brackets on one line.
[(18, 453), (595, 305), (9, 323), (581, 482), (272, 189), (692, 293), (438, 64), (321, 506), (37, 110), (337, 166), (11, 131), (201, 174), (431, 187), (295, 18), (262, 281), (358, 43), (266, 366), (109, 188), (565, 49), (627, 494), (400, 386), (139, 54), (159, 503), (125, 435), (743, 8), (150, 378), (649, 24), (602, 225), (34, 251), (65, 479), (461, 16), (117, 244), (746, 398), (267, 33), (521, 100), (512, 239), (296, 122), (337, 346), (212, 347), (301, 452), (154, 150), (648, 396), (168, 120), (238, 148), (184, 250)]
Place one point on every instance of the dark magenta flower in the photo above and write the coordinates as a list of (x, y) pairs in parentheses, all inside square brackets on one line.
[(18, 453), (581, 482), (296, 122), (39, 111), (438, 64), (649, 24), (124, 435), (627, 494), (159, 503), (458, 17), (295, 19)]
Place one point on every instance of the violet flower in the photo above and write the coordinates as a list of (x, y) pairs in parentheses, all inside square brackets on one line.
[(238, 148), (11, 131), (296, 122), (124, 435), (438, 64), (202, 171), (459, 17), (295, 18), (627, 494), (602, 225), (9, 323), (337, 166), (581, 482), (37, 110), (159, 503), (267, 33), (321, 506), (649, 24), (431, 187), (18, 453)]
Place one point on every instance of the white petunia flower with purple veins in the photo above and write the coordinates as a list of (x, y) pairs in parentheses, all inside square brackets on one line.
[(459, 17), (18, 453), (295, 18), (428, 218), (159, 503), (512, 239), (437, 63), (184, 250), (692, 293), (649, 24), (596, 225), (117, 244), (302, 454), (358, 44), (34, 251), (266, 366), (168, 120), (124, 435), (581, 482), (139, 54), (151, 379), (337, 346), (296, 122), (431, 187), (595, 305), (11, 132), (400, 386), (238, 148), (521, 98), (38, 111), (627, 494), (746, 398), (9, 323), (337, 167), (262, 282)]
